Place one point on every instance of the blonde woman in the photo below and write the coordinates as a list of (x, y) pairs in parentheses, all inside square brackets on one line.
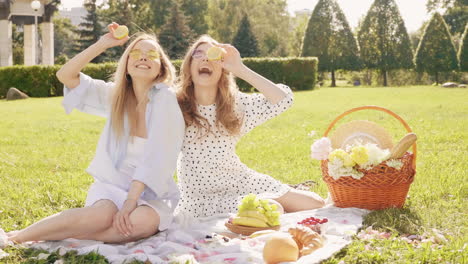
[(134, 194), (212, 179)]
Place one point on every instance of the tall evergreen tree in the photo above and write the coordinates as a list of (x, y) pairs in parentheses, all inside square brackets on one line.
[(90, 30), (383, 39), (329, 37), (463, 51), (196, 12), (245, 40), (175, 35), (161, 10), (270, 23), (455, 14), (64, 37), (436, 52)]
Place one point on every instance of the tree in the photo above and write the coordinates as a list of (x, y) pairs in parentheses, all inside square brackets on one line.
[(433, 5), (463, 51), (300, 25), (90, 30), (455, 15), (175, 35), (64, 37), (269, 20), (383, 39), (329, 37), (245, 40), (18, 46), (196, 12), (436, 52)]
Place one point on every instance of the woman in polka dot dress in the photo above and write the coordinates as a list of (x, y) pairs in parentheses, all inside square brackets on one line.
[(212, 178)]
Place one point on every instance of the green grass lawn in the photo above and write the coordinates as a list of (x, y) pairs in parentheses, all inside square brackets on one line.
[(44, 152)]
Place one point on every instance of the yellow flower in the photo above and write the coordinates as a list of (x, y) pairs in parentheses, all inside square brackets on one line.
[(343, 156), (360, 155)]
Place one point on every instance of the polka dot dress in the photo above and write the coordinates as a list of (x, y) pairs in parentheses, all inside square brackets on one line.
[(211, 177)]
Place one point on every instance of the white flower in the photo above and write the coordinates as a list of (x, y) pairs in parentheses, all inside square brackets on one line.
[(394, 163), (321, 149), (336, 170), (376, 155)]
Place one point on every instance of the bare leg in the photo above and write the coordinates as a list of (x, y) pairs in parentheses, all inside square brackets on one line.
[(297, 200), (145, 223), (69, 223)]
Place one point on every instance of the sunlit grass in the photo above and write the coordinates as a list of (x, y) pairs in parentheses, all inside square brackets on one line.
[(43, 155)]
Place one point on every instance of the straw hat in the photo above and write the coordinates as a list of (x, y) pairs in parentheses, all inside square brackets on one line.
[(362, 131)]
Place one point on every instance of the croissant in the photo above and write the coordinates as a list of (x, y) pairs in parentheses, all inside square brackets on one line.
[(307, 240)]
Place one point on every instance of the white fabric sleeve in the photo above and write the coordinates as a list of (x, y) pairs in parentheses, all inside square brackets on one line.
[(90, 96)]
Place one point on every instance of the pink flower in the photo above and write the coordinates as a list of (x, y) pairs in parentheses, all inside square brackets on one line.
[(321, 148)]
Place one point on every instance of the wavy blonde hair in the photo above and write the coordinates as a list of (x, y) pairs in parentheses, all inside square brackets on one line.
[(225, 97), (124, 101)]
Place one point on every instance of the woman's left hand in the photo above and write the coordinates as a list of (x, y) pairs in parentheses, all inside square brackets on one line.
[(122, 221), (231, 60)]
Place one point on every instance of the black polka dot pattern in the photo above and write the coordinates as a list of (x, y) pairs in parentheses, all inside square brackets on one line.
[(211, 177)]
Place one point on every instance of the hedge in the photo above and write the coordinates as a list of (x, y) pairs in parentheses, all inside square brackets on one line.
[(40, 81)]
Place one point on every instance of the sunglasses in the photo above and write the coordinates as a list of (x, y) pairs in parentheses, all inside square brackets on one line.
[(198, 54), (137, 54)]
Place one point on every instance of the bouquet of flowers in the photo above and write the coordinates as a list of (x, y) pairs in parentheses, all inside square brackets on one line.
[(346, 162)]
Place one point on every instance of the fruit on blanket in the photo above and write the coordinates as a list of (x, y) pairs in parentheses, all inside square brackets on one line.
[(280, 248), (262, 233), (259, 209), (214, 53), (307, 240), (120, 32), (313, 223), (255, 214), (249, 221)]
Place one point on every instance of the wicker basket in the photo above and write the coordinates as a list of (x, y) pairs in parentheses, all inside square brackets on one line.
[(382, 186)]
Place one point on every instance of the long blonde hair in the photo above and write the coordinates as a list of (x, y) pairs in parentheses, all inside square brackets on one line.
[(124, 100), (225, 97)]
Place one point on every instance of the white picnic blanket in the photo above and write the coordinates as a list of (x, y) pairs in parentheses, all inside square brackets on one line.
[(186, 241)]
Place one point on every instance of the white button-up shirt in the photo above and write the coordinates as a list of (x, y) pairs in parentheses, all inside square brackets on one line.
[(166, 129)]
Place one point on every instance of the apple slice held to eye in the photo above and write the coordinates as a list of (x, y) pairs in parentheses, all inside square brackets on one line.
[(120, 32), (214, 53)]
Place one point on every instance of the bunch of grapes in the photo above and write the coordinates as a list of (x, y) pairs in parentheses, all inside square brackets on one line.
[(251, 206), (249, 203)]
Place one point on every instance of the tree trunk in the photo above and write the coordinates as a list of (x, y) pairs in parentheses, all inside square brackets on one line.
[(384, 75), (333, 83), (437, 78)]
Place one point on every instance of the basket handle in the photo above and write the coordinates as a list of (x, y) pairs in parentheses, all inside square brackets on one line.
[(378, 108)]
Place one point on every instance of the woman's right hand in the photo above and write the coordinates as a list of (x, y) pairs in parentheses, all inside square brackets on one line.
[(108, 40)]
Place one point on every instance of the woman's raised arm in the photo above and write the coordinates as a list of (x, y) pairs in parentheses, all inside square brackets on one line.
[(69, 74)]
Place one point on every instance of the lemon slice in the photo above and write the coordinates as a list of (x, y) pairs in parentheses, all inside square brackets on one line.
[(121, 32), (214, 53)]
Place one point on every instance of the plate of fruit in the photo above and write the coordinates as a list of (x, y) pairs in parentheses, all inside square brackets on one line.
[(254, 215)]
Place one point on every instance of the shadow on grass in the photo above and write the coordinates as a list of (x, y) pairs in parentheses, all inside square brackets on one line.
[(401, 220)]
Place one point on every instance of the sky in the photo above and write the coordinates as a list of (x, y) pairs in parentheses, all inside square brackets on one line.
[(412, 11)]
